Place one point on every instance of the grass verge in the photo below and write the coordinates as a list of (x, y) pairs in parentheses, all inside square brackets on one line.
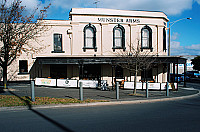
[(11, 100)]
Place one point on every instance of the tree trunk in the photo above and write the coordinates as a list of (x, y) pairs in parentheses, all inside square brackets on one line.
[(5, 76)]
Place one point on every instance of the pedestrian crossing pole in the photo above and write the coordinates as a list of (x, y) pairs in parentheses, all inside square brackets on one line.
[(32, 91), (81, 91), (147, 89), (167, 89), (117, 91)]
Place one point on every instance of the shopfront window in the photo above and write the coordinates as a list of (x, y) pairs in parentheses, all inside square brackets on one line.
[(58, 71), (119, 72)]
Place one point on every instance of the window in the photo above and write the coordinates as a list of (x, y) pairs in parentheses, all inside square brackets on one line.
[(23, 66), (119, 37), (164, 40), (146, 35), (89, 37), (57, 43), (58, 71), (119, 72)]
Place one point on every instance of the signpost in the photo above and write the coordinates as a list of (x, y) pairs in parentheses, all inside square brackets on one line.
[(81, 91), (32, 91)]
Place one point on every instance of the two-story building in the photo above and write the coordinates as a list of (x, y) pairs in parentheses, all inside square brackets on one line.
[(86, 46)]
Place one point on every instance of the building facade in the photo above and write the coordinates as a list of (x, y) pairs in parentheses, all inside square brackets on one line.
[(88, 44)]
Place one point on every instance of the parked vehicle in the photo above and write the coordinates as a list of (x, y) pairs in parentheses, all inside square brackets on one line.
[(180, 77), (187, 78), (192, 74)]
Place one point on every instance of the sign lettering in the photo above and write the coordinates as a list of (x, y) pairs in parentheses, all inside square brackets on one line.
[(119, 20)]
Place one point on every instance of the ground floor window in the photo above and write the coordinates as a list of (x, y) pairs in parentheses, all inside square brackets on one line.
[(23, 66), (92, 72), (58, 71), (119, 72), (146, 75)]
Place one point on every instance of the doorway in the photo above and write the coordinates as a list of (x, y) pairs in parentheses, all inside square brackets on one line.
[(58, 71), (92, 72)]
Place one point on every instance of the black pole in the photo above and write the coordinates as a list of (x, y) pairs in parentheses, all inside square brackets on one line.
[(185, 66), (174, 73), (112, 77), (177, 74)]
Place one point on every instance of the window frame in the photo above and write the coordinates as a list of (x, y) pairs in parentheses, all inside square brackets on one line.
[(149, 39), (54, 42), (122, 37), (94, 37), (119, 72), (164, 40), (23, 67)]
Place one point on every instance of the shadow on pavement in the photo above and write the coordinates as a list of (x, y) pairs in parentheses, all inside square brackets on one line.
[(1, 90), (105, 97), (42, 115)]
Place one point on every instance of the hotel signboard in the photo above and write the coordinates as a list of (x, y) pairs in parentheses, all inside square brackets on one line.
[(117, 20)]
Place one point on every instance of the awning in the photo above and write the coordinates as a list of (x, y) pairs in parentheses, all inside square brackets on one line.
[(104, 60)]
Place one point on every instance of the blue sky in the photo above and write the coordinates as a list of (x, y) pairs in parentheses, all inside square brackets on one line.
[(185, 36)]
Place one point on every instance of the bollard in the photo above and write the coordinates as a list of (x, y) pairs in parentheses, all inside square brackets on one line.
[(147, 89), (32, 91), (117, 91), (167, 89), (81, 91)]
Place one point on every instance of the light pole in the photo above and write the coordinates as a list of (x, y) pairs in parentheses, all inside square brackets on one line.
[(96, 2), (170, 25)]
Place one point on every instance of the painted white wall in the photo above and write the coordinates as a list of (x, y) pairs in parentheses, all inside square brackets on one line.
[(73, 42)]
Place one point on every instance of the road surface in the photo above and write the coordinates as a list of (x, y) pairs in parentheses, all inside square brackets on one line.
[(169, 116)]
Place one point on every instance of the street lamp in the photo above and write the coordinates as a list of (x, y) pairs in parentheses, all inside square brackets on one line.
[(170, 25)]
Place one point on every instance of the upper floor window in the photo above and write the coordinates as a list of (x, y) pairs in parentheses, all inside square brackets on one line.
[(119, 37), (89, 37), (164, 40), (57, 43), (146, 35)]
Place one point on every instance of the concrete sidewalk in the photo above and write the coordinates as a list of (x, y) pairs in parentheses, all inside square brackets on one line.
[(126, 96), (97, 94)]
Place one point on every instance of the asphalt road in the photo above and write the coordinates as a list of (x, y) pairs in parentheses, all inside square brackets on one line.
[(169, 116)]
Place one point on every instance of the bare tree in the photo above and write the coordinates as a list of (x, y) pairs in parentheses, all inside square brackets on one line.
[(17, 27), (136, 60)]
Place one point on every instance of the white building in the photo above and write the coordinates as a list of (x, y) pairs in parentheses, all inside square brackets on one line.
[(189, 65), (85, 46)]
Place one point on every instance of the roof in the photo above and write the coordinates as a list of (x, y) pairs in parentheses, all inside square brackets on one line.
[(115, 12)]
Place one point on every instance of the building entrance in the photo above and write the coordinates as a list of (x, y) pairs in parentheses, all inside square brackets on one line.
[(58, 71), (146, 75)]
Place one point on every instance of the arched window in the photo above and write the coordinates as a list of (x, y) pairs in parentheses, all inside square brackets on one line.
[(118, 37), (146, 35), (164, 40), (89, 37)]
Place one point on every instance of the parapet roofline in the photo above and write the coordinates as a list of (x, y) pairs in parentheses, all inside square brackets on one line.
[(116, 12)]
